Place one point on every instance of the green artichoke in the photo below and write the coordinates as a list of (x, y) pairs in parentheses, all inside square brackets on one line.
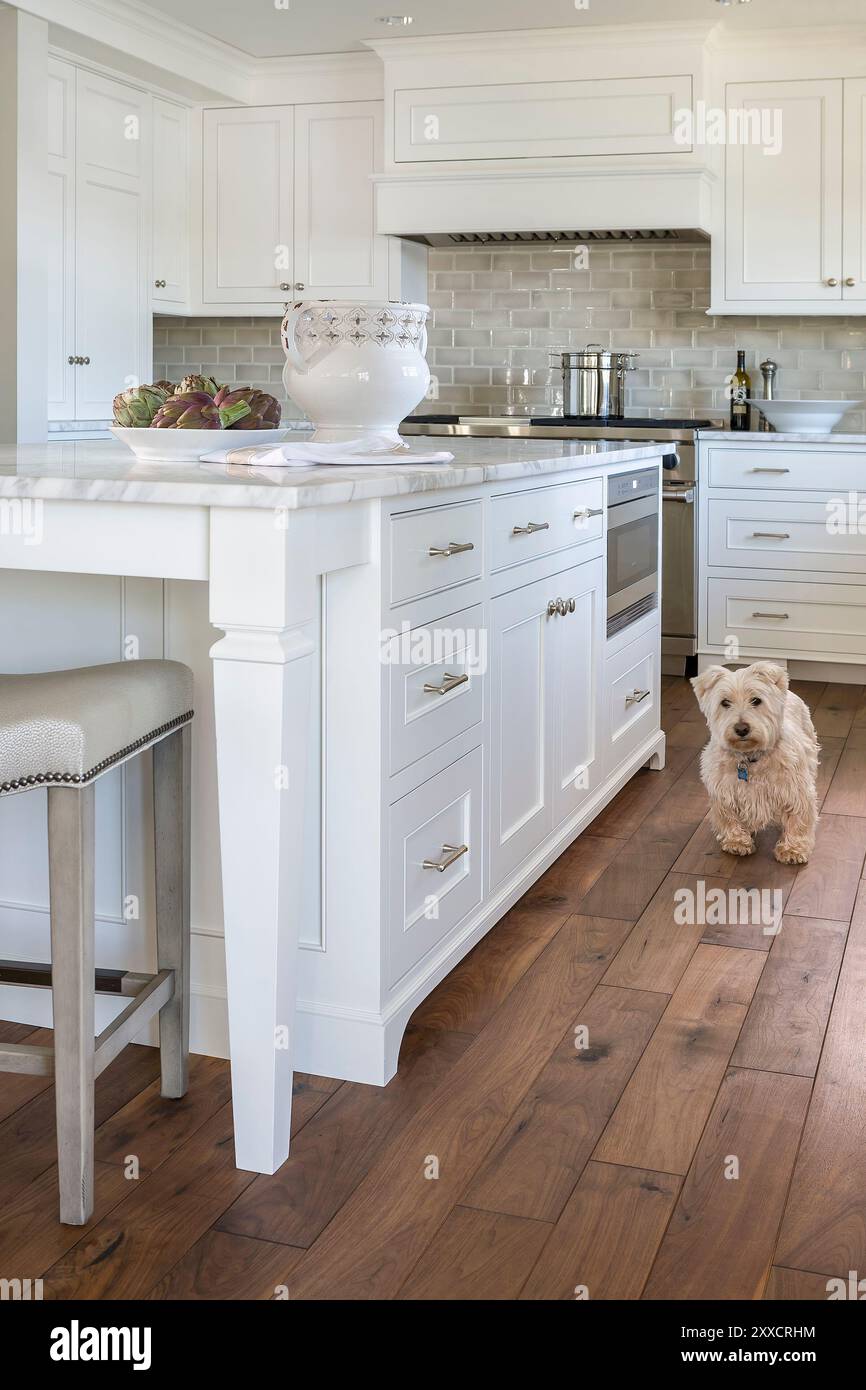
[(187, 410), (263, 411), (136, 408), (197, 383)]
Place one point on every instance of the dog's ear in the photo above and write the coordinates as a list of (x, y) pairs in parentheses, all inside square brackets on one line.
[(769, 671), (703, 684)]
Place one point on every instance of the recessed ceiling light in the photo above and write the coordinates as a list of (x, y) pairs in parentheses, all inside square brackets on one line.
[(394, 19), (730, 2)]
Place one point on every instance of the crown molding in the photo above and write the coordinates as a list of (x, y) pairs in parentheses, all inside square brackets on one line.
[(543, 175), (520, 40), (726, 40), (314, 64)]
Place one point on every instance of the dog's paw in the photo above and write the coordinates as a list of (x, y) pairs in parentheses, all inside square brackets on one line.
[(737, 844), (791, 854)]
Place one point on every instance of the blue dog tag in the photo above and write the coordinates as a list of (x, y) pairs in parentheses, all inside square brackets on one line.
[(743, 772)]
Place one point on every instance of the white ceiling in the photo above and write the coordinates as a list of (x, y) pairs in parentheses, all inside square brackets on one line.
[(280, 28)]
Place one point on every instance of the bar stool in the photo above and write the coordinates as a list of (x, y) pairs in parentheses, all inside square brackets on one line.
[(63, 730)]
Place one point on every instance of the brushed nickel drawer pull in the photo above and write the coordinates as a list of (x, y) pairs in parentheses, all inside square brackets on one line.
[(452, 548), (452, 854), (585, 512), (530, 528), (636, 696), (449, 682), (770, 615), (771, 470), (771, 535)]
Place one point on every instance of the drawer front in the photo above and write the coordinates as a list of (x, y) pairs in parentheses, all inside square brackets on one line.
[(435, 548), (787, 618), (784, 535), (775, 467), (430, 826), (632, 695), (542, 520), (435, 682)]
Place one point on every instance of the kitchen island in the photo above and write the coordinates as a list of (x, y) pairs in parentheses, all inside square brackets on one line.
[(415, 710)]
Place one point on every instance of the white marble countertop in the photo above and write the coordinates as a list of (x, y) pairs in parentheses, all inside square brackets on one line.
[(782, 437), (105, 471)]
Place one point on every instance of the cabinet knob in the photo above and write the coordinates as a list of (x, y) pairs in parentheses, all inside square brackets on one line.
[(85, 361), (160, 284), (832, 282), (71, 361), (850, 281), (284, 285), (300, 286)]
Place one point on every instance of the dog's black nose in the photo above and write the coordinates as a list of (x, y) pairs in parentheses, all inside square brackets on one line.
[(741, 730)]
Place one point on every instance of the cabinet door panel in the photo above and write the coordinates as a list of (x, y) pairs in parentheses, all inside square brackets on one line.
[(170, 202), (521, 724), (59, 268), (854, 263), (783, 219), (248, 170), (577, 766), (337, 253), (112, 253)]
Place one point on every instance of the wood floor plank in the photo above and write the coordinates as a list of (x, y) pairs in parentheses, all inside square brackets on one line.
[(656, 952), (127, 1252), (152, 1128), (533, 1167), (31, 1236), (235, 1268), (704, 856), (570, 877), (629, 808), (334, 1152), (377, 1238), (720, 1240), (769, 884), (795, 1286), (847, 793), (833, 714), (831, 752), (827, 885), (606, 1239), (477, 1255), (810, 692), (785, 1026), (824, 1227), (659, 1119)]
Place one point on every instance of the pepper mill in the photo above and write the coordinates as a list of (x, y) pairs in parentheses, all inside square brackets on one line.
[(768, 372)]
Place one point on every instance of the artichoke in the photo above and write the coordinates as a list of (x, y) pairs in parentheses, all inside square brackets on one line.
[(197, 383), (263, 411), (169, 387), (136, 408), (187, 410)]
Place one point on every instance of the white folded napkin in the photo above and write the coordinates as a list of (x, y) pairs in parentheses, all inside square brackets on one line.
[(379, 450)]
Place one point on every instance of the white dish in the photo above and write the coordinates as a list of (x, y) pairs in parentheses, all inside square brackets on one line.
[(187, 446), (805, 417)]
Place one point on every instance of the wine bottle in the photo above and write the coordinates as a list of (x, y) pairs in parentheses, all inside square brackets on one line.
[(741, 389)]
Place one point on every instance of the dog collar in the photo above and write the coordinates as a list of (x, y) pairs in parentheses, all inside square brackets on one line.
[(744, 760)]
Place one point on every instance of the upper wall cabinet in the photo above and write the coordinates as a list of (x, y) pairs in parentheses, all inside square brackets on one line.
[(793, 232), (541, 120), (171, 178), (288, 204)]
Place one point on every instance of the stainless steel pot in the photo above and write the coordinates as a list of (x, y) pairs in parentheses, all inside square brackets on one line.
[(593, 381)]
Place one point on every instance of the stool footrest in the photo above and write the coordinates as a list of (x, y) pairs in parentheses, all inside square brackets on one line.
[(26, 1060), (130, 1021)]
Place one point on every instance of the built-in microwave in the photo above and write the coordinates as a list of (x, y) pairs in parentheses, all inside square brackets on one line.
[(632, 547)]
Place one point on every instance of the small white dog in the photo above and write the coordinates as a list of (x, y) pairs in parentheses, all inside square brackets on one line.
[(761, 763)]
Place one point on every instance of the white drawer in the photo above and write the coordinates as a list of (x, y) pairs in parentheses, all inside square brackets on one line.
[(776, 616), (539, 521), (783, 535), (775, 467), (632, 694), (435, 548), (435, 684), (432, 823)]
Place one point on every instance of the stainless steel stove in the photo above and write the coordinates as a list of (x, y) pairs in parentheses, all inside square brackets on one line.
[(679, 492)]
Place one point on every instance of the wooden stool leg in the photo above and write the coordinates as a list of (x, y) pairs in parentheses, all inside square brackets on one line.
[(171, 817), (71, 871)]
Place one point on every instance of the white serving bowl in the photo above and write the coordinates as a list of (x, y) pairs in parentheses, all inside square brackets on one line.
[(805, 417), (187, 446)]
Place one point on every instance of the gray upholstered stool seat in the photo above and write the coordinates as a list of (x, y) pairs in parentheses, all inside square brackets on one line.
[(62, 730), (63, 727)]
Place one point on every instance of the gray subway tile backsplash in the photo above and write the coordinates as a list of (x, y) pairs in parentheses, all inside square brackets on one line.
[(497, 315)]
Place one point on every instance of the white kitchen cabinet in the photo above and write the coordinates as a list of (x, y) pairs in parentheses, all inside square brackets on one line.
[(99, 176), (854, 221), (545, 683), (783, 210), (171, 184), (248, 201), (337, 254), (307, 227)]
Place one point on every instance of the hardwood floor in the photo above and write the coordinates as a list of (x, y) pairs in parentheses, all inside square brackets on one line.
[(602, 1100)]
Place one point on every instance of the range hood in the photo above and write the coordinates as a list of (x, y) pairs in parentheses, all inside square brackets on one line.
[(616, 202)]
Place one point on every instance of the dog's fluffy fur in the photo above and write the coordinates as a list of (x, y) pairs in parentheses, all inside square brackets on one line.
[(752, 714)]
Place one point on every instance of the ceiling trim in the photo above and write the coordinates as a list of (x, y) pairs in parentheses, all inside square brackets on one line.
[(575, 36)]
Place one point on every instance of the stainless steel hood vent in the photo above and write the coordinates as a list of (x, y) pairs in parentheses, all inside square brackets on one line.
[(446, 239)]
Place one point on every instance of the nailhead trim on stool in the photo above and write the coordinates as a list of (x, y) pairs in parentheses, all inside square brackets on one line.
[(77, 779)]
